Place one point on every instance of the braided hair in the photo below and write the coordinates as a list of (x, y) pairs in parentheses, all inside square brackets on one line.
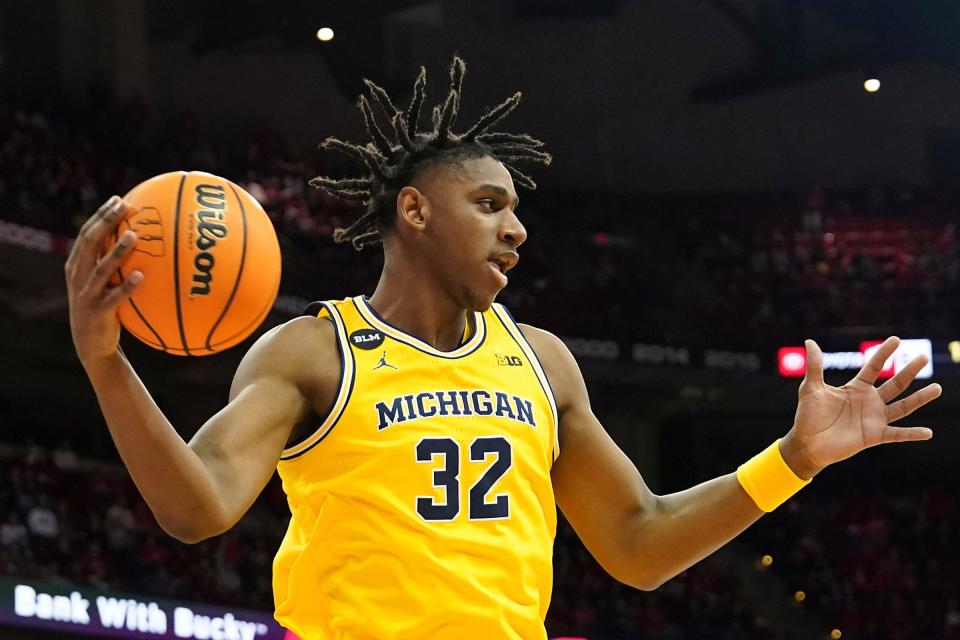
[(393, 158)]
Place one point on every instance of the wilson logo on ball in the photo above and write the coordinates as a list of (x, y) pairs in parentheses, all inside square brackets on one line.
[(210, 228), (185, 221)]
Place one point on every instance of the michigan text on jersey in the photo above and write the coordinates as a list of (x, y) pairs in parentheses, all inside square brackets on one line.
[(454, 403)]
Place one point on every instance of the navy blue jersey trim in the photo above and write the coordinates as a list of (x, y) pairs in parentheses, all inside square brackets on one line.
[(374, 320), (344, 350), (534, 352), (546, 377), (313, 309)]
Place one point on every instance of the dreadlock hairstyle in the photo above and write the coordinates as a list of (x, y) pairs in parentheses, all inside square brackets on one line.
[(393, 157)]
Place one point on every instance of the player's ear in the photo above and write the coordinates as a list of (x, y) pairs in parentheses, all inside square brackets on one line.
[(413, 209)]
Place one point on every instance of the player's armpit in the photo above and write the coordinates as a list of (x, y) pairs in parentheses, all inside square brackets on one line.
[(290, 374), (598, 488)]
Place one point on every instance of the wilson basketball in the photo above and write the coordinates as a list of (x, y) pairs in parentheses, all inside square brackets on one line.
[(210, 260)]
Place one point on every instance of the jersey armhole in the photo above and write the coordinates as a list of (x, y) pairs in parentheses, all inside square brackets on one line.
[(514, 330), (344, 388)]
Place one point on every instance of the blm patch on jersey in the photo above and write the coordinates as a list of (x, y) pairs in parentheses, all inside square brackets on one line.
[(366, 339)]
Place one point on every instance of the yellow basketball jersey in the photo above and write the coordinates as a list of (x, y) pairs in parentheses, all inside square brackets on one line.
[(422, 506)]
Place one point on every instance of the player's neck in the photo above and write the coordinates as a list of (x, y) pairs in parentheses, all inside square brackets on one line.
[(408, 300)]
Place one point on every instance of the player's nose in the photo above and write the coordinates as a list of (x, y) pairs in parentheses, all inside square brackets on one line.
[(512, 231)]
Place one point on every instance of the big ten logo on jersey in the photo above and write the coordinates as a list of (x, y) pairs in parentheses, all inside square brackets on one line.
[(508, 361), (366, 339)]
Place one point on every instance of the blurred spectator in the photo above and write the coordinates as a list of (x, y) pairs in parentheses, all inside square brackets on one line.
[(13, 533), (728, 270), (41, 521), (879, 566), (121, 548), (64, 457)]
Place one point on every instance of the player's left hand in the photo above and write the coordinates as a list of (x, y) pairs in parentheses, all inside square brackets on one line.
[(834, 423)]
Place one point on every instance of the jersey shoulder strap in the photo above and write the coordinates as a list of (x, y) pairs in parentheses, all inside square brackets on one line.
[(329, 309)]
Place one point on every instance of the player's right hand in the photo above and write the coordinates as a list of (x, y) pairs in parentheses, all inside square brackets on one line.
[(94, 325)]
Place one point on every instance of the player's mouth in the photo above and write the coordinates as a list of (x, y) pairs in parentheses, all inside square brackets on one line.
[(502, 262)]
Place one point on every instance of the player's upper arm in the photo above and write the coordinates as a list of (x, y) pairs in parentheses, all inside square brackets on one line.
[(597, 487), (289, 373)]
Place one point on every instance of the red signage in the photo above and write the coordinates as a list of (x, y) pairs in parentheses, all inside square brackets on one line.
[(867, 347), (792, 361)]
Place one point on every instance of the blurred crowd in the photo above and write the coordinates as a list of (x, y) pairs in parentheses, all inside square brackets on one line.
[(75, 520), (724, 269), (720, 270), (70, 519), (839, 262), (703, 602), (878, 565)]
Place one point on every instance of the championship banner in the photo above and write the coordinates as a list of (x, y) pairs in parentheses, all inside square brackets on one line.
[(66, 609)]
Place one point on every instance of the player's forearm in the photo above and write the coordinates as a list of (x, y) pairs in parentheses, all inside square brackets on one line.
[(173, 479), (688, 526)]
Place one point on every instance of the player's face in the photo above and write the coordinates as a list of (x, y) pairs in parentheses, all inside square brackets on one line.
[(475, 229)]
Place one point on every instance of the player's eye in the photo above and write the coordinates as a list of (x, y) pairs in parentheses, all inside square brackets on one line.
[(488, 202)]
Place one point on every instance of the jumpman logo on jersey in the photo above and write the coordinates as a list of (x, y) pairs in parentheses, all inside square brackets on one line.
[(383, 362)]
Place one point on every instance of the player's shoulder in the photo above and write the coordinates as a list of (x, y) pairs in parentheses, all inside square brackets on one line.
[(539, 339), (303, 330), (296, 348), (552, 352), (558, 363)]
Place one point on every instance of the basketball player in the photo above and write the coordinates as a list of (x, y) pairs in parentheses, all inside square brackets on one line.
[(425, 438)]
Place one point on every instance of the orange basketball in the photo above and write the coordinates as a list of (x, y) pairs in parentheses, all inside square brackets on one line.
[(210, 260)]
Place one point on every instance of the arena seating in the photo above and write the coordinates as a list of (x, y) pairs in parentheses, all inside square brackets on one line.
[(739, 269), (79, 520), (878, 565), (735, 270)]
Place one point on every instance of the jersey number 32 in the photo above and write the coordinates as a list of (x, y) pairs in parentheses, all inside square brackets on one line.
[(448, 478)]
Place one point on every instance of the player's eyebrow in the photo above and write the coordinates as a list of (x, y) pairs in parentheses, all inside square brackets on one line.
[(503, 192)]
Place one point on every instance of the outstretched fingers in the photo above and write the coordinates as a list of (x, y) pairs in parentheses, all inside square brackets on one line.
[(874, 365), (914, 401), (899, 383), (814, 372), (906, 434)]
